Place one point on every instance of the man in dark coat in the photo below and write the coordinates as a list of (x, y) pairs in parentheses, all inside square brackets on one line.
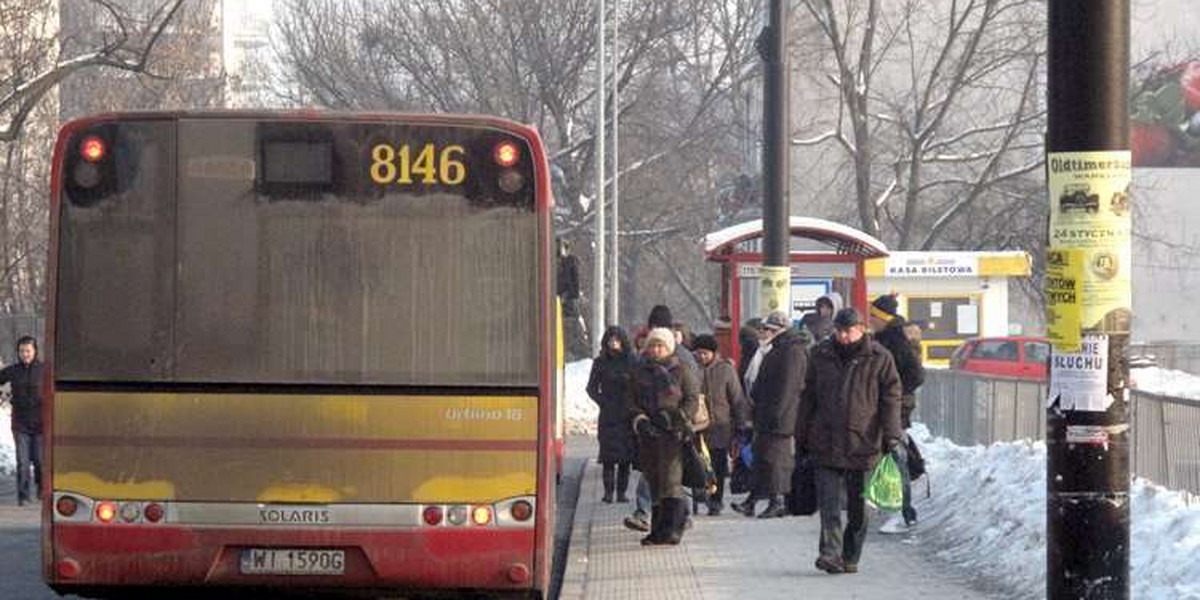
[(891, 332), (25, 375), (722, 390), (609, 387), (849, 413), (776, 396), (665, 397)]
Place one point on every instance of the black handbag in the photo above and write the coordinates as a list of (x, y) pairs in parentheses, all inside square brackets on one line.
[(916, 462), (697, 469)]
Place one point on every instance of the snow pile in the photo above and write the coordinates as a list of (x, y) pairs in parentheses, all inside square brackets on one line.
[(8, 449), (1167, 382), (581, 411), (987, 515)]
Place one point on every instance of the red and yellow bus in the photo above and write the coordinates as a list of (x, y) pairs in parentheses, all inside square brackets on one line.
[(301, 350)]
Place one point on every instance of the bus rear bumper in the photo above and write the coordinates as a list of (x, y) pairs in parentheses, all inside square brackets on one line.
[(91, 556)]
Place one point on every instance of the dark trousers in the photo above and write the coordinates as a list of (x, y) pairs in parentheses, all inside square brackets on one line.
[(29, 466), (720, 460), (831, 485)]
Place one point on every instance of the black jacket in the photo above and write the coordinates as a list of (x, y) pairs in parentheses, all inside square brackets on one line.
[(851, 405), (776, 392), (610, 386), (908, 362), (26, 383)]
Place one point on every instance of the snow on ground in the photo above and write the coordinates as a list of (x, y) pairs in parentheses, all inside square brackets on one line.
[(987, 515), (8, 450), (581, 411), (1167, 382)]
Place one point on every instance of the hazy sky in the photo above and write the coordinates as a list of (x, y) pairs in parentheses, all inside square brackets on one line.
[(1170, 25)]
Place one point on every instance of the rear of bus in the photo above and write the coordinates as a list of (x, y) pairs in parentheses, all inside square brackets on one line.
[(306, 351)]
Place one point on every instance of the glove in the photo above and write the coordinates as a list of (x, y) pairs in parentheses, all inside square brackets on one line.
[(646, 429)]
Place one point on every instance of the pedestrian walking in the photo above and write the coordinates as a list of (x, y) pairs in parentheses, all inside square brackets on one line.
[(660, 317), (776, 395), (893, 332), (25, 375), (665, 396), (727, 407), (849, 413), (609, 387)]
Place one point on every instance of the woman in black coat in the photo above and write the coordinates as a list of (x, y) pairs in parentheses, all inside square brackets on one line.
[(609, 386)]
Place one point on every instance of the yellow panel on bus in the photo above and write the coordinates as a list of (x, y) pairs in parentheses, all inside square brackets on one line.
[(295, 448)]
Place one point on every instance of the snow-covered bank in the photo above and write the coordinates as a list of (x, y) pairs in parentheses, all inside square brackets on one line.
[(987, 515), (1167, 382), (8, 449), (581, 411)]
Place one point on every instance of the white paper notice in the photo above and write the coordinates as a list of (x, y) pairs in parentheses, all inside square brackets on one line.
[(1080, 380), (935, 310), (968, 319)]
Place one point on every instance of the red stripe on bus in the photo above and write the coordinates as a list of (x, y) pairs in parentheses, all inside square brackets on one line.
[(317, 443)]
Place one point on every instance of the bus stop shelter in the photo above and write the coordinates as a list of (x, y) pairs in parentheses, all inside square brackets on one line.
[(825, 257)]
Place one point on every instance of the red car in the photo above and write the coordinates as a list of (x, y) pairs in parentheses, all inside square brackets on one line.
[(1018, 356)]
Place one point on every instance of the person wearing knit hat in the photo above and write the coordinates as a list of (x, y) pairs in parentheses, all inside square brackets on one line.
[(665, 400), (661, 335), (885, 308), (890, 331), (727, 409)]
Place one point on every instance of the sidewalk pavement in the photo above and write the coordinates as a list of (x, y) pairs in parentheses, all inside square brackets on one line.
[(735, 557)]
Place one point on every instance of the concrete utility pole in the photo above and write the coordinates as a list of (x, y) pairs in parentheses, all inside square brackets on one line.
[(614, 289), (1088, 300), (598, 321), (776, 272)]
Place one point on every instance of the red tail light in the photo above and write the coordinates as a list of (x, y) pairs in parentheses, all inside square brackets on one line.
[(153, 513), (106, 511), (432, 515), (507, 154), (92, 149), (522, 510), (66, 506)]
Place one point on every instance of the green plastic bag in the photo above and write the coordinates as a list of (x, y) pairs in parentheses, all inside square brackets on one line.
[(884, 490)]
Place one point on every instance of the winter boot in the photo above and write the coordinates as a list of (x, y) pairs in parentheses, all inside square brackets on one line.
[(776, 508), (622, 482), (609, 476), (747, 507), (675, 513), (658, 524), (714, 507)]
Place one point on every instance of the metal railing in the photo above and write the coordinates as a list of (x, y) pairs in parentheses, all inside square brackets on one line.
[(974, 409)]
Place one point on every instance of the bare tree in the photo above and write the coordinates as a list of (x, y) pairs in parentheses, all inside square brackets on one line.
[(34, 67), (534, 61), (937, 111)]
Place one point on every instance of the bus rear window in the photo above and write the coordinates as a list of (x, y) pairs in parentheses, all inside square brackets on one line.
[(409, 258)]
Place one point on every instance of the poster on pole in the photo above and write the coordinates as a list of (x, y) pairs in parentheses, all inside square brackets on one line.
[(1089, 213), (1063, 274), (1079, 380), (776, 289)]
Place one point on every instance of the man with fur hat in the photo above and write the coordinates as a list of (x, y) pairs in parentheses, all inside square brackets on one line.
[(664, 402), (849, 412), (890, 330), (775, 393)]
